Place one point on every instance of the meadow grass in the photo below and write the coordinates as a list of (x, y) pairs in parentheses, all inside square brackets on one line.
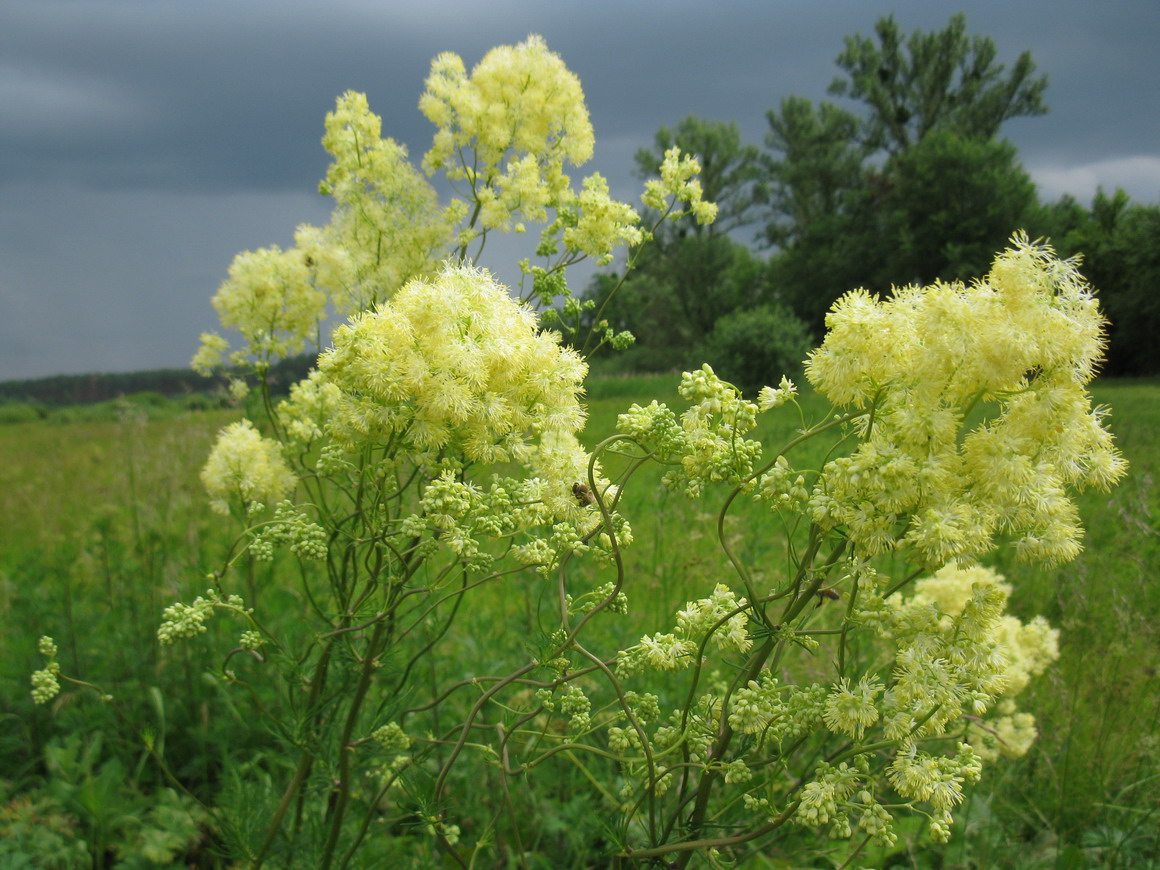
[(105, 523)]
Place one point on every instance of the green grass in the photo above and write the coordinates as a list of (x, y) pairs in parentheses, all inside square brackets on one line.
[(105, 523)]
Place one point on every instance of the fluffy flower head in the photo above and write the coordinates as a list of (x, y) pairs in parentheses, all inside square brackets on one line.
[(270, 299), (1020, 345), (247, 467), (523, 113), (387, 226), (450, 363)]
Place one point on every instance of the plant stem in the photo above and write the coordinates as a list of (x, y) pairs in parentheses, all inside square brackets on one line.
[(342, 798)]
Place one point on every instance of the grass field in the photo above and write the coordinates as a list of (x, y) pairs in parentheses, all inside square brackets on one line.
[(105, 523)]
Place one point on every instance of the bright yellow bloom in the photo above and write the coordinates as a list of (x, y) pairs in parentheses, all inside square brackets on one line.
[(521, 113), (600, 224), (247, 468), (1021, 345), (387, 225), (679, 183), (270, 299), (455, 364)]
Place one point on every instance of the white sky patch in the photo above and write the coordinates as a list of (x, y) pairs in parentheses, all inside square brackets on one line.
[(1138, 175)]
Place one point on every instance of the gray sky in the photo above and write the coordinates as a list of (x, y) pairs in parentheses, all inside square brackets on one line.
[(143, 143)]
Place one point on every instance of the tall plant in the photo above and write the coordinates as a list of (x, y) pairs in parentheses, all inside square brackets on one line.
[(429, 467)]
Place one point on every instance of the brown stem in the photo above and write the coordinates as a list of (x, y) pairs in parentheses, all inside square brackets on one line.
[(342, 797)]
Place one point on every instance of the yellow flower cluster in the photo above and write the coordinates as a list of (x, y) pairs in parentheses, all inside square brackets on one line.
[(594, 224), (450, 364), (1027, 650), (247, 468), (959, 650), (723, 614), (708, 438), (270, 298), (521, 112), (1019, 346), (852, 710), (387, 226), (679, 182), (939, 779)]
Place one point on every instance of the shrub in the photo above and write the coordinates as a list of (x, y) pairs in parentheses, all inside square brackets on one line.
[(755, 347)]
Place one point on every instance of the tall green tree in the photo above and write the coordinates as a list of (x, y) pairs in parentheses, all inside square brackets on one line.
[(821, 164), (913, 85), (915, 186), (955, 201)]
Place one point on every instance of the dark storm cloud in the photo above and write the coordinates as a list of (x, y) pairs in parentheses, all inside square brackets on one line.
[(143, 143), (181, 95), (189, 94)]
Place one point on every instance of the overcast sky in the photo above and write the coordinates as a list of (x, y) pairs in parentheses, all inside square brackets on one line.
[(143, 143)]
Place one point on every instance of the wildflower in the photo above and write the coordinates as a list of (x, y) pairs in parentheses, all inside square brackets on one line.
[(269, 298), (595, 225), (876, 821), (660, 652), (45, 682), (851, 711), (247, 467), (392, 738), (182, 621), (678, 182), (706, 439), (1022, 344), (820, 798), (770, 397), (937, 779), (522, 114), (209, 354), (45, 685), (699, 617), (451, 363), (387, 227)]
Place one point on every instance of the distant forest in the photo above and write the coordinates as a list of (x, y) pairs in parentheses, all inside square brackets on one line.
[(64, 390)]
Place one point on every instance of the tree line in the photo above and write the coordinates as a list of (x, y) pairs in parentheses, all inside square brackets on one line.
[(913, 185), (64, 390)]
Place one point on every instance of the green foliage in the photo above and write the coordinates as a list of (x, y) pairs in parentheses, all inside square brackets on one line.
[(89, 815), (677, 292), (755, 347), (20, 412), (1088, 786), (835, 254), (36, 833), (64, 390), (1118, 242), (954, 201), (916, 84), (915, 188), (819, 169)]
